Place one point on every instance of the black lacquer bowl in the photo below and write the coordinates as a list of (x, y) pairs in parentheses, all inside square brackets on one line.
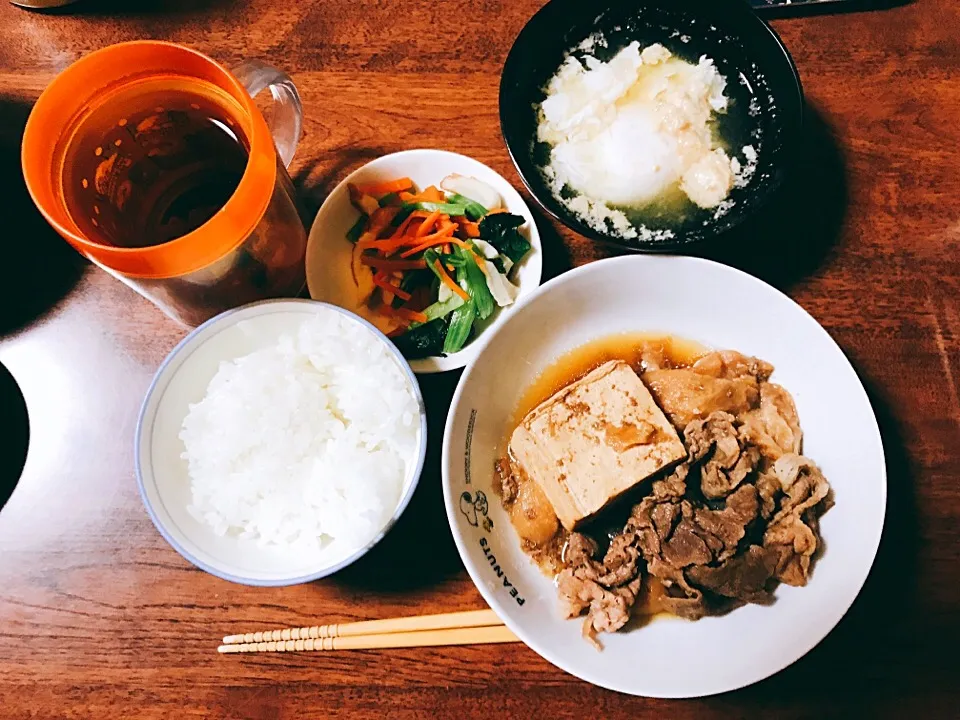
[(759, 72)]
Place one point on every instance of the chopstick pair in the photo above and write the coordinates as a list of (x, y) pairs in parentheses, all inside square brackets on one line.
[(473, 627)]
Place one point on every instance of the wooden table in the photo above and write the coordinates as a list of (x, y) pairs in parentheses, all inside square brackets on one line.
[(99, 618)]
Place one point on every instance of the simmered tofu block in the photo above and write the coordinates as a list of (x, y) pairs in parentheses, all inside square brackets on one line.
[(594, 440)]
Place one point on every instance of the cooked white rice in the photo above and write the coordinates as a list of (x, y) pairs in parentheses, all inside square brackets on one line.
[(306, 442)]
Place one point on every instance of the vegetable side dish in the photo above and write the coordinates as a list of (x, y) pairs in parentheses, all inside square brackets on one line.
[(432, 264), (651, 476)]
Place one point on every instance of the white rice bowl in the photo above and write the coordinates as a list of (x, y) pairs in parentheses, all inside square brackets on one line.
[(291, 445), (278, 442)]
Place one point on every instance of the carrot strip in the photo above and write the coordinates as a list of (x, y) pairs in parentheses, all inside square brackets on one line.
[(404, 313), (448, 281), (399, 237), (402, 228), (384, 264), (371, 243), (385, 188), (436, 239), (405, 225), (386, 294), (389, 246), (406, 196), (408, 314), (480, 263), (388, 287), (431, 194), (468, 228), (428, 223)]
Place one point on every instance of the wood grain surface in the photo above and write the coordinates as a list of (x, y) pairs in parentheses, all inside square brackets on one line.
[(99, 618)]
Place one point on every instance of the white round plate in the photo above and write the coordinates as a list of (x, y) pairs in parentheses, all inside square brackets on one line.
[(162, 473), (328, 250), (721, 308)]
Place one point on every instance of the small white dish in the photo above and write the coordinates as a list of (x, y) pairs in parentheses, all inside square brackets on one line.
[(722, 308), (328, 250), (162, 473)]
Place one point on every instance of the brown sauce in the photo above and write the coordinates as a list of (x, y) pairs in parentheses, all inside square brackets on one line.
[(636, 349), (630, 347)]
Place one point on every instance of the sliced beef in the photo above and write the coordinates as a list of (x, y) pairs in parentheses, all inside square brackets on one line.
[(673, 486), (727, 527), (607, 609), (768, 492), (723, 527), (745, 577), (675, 537), (665, 517), (802, 482), (729, 364), (724, 461), (686, 395), (792, 532), (580, 550), (686, 546), (774, 427), (620, 561), (606, 589), (667, 549), (680, 597)]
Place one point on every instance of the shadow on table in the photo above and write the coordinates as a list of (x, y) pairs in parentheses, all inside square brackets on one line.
[(15, 436), (314, 181), (419, 551), (792, 236), (883, 628), (41, 267), (795, 233), (557, 258)]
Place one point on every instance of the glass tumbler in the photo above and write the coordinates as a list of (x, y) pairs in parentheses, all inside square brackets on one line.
[(155, 163)]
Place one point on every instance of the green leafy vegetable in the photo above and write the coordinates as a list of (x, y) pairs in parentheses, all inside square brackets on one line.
[(447, 208), (354, 233), (453, 259), (441, 309), (413, 279), (461, 322), (430, 257), (472, 276), (472, 209), (501, 231), (423, 341)]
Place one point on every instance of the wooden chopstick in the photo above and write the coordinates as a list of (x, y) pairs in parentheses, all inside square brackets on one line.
[(421, 638), (443, 621)]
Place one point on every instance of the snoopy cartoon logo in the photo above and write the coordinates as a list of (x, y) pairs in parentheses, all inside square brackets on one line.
[(474, 508)]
